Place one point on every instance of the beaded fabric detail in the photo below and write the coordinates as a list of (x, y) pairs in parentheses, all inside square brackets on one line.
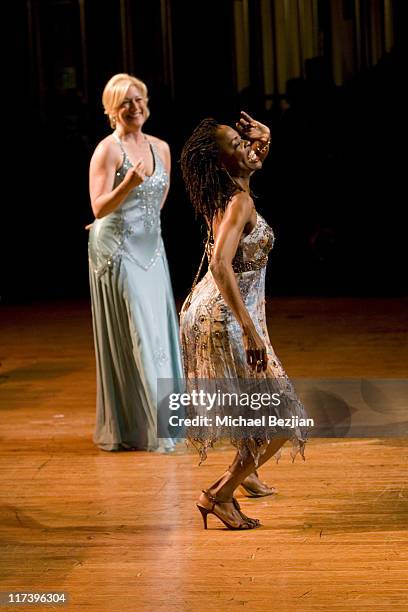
[(135, 225), (213, 348), (251, 254)]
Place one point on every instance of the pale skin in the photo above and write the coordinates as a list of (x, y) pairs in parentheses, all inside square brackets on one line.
[(238, 219), (107, 159)]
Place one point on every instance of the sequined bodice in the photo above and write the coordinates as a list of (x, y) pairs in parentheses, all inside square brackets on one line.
[(253, 249), (133, 230)]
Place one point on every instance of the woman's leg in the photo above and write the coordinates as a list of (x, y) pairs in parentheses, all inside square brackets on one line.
[(223, 488), (238, 471), (253, 486)]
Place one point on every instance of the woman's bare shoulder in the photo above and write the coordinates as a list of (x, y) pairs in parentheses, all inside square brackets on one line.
[(161, 144), (107, 150), (241, 203)]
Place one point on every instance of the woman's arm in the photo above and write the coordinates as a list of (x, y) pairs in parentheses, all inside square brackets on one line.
[(102, 170), (236, 216), (258, 134)]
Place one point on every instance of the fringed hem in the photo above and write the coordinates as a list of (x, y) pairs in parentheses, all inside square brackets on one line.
[(250, 446)]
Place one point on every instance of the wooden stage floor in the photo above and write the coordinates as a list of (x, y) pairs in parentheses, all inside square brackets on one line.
[(120, 531)]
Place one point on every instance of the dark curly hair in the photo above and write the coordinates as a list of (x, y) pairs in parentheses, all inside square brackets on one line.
[(209, 187)]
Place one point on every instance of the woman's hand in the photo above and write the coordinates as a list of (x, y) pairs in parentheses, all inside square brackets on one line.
[(255, 349), (252, 130), (135, 175)]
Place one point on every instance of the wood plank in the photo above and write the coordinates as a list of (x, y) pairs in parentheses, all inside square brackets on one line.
[(120, 531)]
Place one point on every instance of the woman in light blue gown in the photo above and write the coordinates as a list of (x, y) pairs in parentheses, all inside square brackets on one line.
[(135, 323)]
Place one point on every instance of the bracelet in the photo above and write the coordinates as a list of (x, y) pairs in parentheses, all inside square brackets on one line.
[(265, 147)]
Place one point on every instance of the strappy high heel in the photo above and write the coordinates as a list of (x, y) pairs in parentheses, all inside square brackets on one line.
[(215, 500), (256, 522)]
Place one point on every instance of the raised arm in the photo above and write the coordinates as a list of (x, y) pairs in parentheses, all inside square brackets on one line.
[(257, 133), (237, 215)]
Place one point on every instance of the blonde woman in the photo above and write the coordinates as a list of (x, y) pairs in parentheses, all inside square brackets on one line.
[(134, 318)]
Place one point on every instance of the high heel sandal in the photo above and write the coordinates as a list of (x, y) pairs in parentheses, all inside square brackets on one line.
[(248, 524), (256, 522)]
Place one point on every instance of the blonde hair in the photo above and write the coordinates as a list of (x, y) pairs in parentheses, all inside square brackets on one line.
[(115, 92)]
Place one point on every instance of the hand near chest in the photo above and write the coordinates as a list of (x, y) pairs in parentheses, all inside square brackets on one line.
[(136, 174)]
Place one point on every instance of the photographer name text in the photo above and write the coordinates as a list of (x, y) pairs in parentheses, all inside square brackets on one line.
[(240, 421)]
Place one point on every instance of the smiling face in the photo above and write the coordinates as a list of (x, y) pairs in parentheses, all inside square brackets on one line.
[(236, 153), (125, 100), (132, 112)]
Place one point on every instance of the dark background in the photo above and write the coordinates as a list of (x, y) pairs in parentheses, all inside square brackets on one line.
[(332, 187)]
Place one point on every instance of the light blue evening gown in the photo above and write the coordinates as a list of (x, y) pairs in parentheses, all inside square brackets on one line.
[(135, 322)]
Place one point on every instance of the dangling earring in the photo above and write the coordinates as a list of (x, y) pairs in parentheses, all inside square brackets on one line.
[(113, 121)]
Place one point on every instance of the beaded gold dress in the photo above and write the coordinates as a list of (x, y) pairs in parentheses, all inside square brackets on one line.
[(213, 347)]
